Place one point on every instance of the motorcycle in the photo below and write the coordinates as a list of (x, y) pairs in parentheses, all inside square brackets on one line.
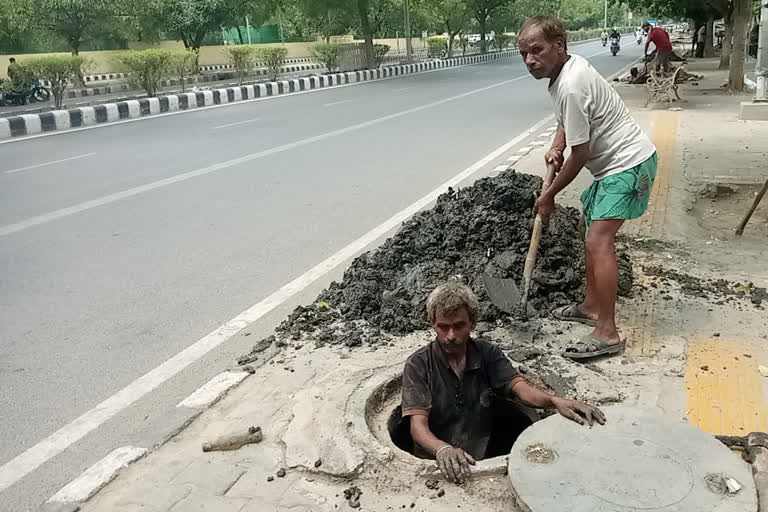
[(32, 93), (614, 46), (639, 38), (604, 40)]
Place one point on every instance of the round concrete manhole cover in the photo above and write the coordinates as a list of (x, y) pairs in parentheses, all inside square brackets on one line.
[(637, 461)]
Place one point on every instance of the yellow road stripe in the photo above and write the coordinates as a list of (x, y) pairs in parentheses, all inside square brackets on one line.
[(665, 139), (651, 224), (723, 388)]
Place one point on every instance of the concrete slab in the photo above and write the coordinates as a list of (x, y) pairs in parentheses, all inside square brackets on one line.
[(753, 111), (639, 460)]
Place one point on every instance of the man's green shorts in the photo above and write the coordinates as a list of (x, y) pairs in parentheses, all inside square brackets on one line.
[(620, 196)]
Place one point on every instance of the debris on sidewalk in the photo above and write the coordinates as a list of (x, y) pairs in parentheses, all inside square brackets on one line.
[(234, 441), (482, 228), (352, 495)]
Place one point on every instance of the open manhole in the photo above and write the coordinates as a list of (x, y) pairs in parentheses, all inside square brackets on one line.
[(385, 421)]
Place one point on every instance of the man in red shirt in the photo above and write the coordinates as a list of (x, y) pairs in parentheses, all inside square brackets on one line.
[(659, 37)]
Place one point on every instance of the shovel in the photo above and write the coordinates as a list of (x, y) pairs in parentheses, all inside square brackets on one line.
[(504, 293)]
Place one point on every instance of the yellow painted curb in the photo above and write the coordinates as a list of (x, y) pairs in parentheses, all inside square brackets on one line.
[(723, 388)]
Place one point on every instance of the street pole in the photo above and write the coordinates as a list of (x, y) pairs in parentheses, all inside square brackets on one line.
[(408, 48), (605, 20), (248, 28), (761, 68)]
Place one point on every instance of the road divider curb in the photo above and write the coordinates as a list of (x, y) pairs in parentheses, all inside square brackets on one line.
[(57, 120)]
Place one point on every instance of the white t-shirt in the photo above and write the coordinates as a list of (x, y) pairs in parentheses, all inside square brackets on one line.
[(590, 110)]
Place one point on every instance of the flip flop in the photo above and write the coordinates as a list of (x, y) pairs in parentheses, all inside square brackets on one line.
[(572, 313), (589, 347)]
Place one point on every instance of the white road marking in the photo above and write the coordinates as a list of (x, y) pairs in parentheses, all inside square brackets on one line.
[(326, 105), (98, 475), (500, 168), (37, 166), (524, 150), (237, 123), (212, 390), (35, 456), (118, 196), (401, 89)]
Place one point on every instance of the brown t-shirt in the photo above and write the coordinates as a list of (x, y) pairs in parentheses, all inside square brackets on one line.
[(459, 409)]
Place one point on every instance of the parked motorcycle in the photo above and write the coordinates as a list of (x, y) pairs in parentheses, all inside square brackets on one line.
[(614, 46), (29, 93)]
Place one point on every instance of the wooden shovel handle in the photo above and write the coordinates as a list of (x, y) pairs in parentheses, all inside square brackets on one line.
[(533, 248)]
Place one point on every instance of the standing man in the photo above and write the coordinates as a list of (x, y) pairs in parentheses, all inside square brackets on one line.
[(701, 40), (597, 126), (660, 38)]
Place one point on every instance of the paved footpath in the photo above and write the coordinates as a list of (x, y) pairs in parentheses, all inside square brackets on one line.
[(126, 247), (311, 403)]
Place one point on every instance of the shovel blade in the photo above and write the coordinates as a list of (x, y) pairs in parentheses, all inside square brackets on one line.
[(504, 293)]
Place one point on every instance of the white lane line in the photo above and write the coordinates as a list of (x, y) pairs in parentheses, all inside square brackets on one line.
[(35, 456), (326, 105), (118, 196), (212, 390), (601, 52), (37, 166), (500, 168), (237, 123), (401, 89), (98, 475)]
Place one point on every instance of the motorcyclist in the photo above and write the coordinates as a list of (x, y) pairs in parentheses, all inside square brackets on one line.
[(604, 37), (639, 34)]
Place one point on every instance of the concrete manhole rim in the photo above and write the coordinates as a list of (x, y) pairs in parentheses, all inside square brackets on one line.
[(366, 403)]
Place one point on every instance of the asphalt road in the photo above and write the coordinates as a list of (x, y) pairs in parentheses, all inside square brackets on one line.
[(103, 281)]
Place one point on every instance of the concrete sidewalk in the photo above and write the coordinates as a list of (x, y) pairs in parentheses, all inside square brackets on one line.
[(324, 411)]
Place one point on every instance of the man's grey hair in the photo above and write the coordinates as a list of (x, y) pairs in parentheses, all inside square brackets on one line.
[(449, 298)]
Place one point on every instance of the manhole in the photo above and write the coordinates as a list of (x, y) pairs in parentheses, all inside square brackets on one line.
[(385, 421), (637, 461)]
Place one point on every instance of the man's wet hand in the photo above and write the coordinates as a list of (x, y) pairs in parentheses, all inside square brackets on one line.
[(544, 206), (555, 157), (579, 412), (454, 464)]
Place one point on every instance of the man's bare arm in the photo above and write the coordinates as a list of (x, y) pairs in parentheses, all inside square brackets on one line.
[(574, 410), (545, 204), (571, 168), (555, 153), (423, 436)]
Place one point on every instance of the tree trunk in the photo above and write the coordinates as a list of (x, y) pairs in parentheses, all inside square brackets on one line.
[(240, 34), (725, 53), (741, 14), (365, 25), (482, 21), (709, 45)]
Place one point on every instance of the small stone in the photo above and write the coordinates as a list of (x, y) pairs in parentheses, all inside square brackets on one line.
[(432, 484), (716, 334), (270, 478), (318, 463), (441, 493), (249, 369), (763, 370), (705, 368), (280, 473)]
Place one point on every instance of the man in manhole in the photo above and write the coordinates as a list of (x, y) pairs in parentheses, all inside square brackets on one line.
[(450, 386), (597, 126)]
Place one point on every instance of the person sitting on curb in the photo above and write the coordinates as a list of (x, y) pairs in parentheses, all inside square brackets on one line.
[(449, 385), (594, 121)]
